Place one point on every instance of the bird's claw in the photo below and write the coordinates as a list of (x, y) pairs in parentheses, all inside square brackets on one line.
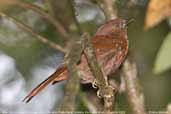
[(94, 84), (98, 94)]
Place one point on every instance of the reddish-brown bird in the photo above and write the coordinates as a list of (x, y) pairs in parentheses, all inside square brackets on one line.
[(111, 47)]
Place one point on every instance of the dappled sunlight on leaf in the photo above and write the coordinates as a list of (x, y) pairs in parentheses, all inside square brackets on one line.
[(157, 10)]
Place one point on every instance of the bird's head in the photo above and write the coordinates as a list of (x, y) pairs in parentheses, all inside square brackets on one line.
[(114, 27)]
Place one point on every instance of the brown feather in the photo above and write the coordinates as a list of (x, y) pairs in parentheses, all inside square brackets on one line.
[(55, 75)]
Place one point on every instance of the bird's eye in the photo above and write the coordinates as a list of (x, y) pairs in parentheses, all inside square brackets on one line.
[(116, 26)]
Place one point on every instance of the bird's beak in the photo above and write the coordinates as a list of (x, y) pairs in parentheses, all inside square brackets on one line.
[(128, 21)]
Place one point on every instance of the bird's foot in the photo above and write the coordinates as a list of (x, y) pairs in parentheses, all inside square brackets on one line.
[(106, 92)]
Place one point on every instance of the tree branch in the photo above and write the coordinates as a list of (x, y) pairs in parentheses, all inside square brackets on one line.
[(105, 90), (72, 85), (135, 96), (37, 36), (58, 26)]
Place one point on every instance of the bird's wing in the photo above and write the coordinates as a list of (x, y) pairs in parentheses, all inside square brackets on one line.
[(104, 42), (109, 51)]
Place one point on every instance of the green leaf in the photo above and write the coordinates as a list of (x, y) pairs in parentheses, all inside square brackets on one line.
[(163, 61)]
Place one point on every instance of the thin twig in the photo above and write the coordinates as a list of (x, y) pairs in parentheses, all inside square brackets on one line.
[(135, 96), (73, 11), (58, 26), (37, 36), (105, 91), (72, 85)]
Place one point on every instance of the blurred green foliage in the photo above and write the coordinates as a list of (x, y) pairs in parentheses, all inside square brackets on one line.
[(163, 61)]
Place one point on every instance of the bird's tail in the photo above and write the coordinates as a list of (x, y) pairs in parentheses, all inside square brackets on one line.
[(59, 75)]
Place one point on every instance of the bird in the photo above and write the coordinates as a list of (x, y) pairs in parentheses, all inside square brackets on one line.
[(110, 44)]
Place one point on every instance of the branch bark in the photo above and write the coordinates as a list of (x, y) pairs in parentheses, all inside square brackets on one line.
[(72, 85), (134, 94)]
